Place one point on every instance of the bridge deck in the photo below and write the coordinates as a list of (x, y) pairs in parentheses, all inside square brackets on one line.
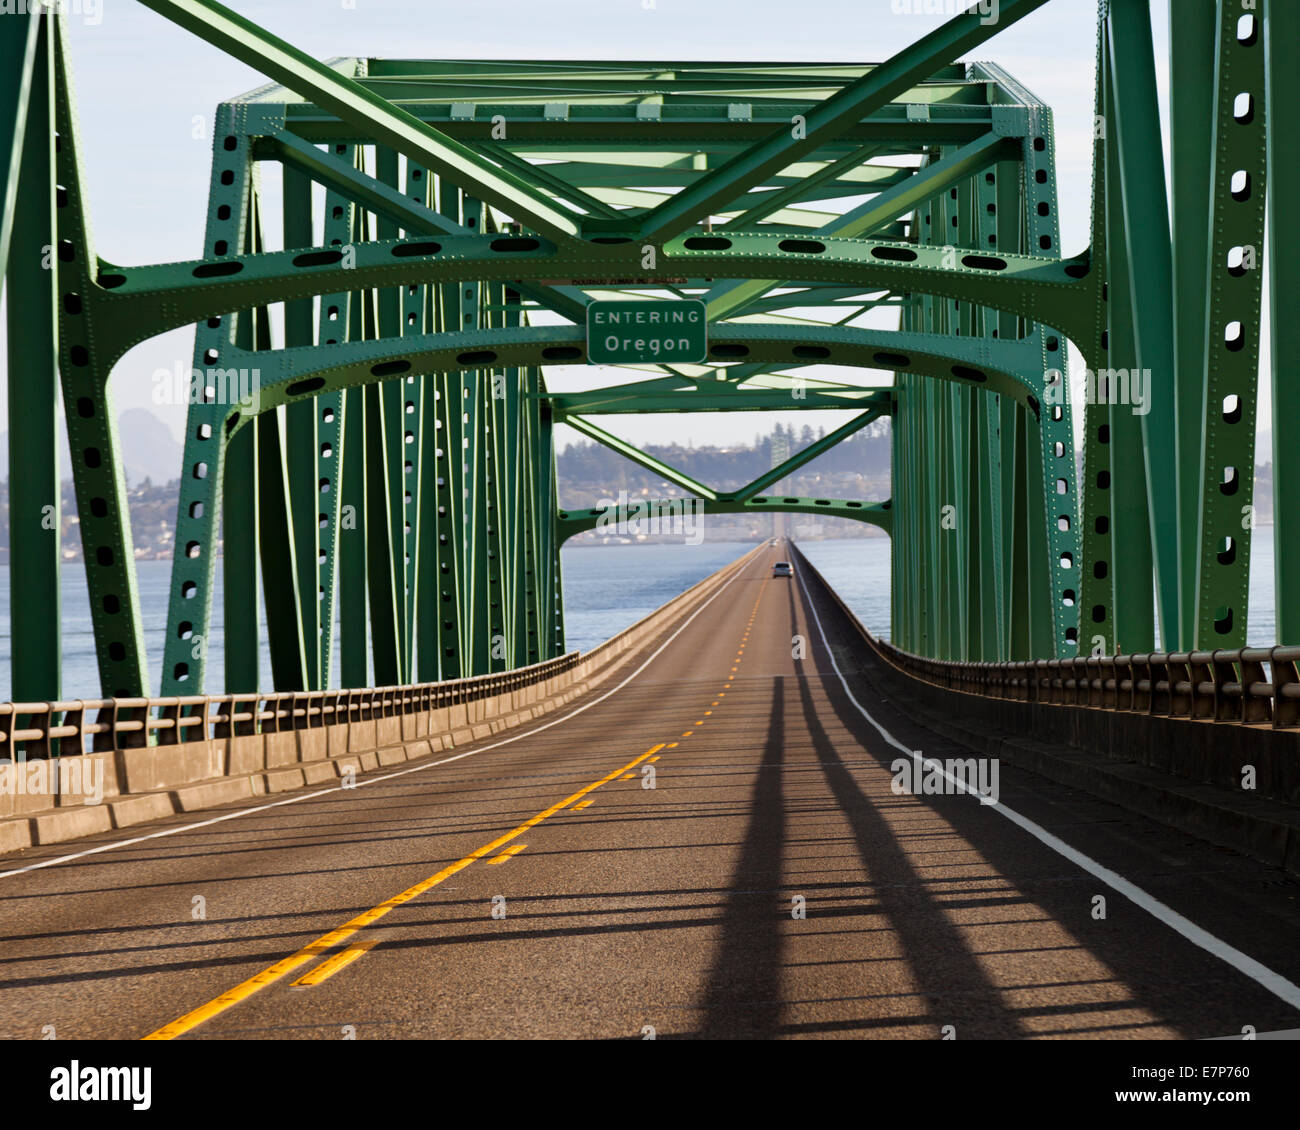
[(668, 907)]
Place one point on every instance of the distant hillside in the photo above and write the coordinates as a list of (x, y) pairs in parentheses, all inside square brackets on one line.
[(148, 448), (584, 466)]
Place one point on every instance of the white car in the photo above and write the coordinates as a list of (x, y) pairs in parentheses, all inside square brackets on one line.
[(783, 569)]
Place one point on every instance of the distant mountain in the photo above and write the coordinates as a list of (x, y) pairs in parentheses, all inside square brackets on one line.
[(148, 449)]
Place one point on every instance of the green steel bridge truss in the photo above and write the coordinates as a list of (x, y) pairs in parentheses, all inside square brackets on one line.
[(372, 409)]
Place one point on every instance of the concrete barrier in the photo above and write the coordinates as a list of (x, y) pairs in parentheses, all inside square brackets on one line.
[(217, 750)]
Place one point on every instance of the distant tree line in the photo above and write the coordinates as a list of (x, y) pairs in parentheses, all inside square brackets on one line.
[(865, 453)]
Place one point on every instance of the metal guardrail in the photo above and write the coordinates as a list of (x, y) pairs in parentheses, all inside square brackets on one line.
[(1250, 686), (53, 729), (124, 723)]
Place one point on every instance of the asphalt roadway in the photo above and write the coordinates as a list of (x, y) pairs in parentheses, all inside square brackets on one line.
[(771, 883)]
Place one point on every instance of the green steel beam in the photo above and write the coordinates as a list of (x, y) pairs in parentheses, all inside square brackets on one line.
[(641, 458), (1281, 32), (84, 368), (302, 446), (571, 522), (148, 300), (828, 119), (807, 455), (1005, 367), (885, 206), (24, 72), (1138, 153), (32, 299), (380, 119), (829, 175), (394, 461), (1126, 528), (235, 490), (1232, 333), (1192, 37)]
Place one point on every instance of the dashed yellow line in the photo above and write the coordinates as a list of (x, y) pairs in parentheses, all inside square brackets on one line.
[(286, 965), (512, 850), (585, 803), (333, 964)]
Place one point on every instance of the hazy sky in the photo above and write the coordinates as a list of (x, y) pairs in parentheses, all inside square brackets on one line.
[(146, 88)]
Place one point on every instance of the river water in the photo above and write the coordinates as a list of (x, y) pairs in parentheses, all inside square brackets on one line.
[(606, 588)]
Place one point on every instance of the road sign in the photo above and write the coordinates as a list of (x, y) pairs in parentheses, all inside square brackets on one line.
[(624, 332)]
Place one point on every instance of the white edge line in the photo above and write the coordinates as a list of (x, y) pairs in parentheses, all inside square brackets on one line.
[(1275, 983), (372, 780)]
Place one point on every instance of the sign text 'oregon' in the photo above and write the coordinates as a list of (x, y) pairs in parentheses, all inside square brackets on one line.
[(625, 332)]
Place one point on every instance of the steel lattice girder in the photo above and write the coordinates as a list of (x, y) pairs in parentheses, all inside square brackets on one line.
[(666, 511), (365, 424)]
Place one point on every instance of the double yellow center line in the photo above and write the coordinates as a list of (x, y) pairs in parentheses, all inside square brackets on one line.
[(246, 989)]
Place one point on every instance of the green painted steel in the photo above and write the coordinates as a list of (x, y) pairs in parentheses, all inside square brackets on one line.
[(35, 519), (372, 411), (630, 333), (1281, 31)]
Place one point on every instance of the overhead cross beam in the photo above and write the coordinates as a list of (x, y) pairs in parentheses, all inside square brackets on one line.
[(885, 206), (828, 119), (375, 115)]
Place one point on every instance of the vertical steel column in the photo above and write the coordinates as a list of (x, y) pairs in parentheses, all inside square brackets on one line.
[(241, 625), (473, 530), (334, 324), (25, 53), (386, 512), (96, 452), (1237, 202), (415, 443), (1099, 575), (354, 663), (498, 517), (385, 628), (1127, 529), (1192, 38), (302, 445), (35, 518), (219, 476), (1139, 151), (438, 591), (278, 555), (1281, 33), (519, 509), (539, 519)]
